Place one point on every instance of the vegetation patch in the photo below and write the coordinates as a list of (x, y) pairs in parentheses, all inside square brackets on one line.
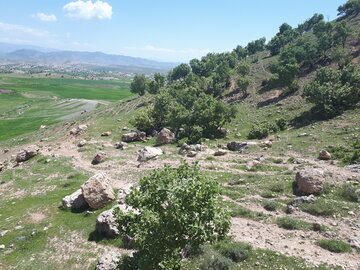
[(335, 246)]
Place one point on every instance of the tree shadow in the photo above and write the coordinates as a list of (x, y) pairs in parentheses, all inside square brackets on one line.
[(273, 100), (95, 236), (310, 117)]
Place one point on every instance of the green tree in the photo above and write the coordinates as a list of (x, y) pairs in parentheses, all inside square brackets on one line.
[(138, 85), (172, 209), (180, 72), (243, 84), (333, 91), (156, 84), (342, 32), (351, 7), (241, 52), (256, 46)]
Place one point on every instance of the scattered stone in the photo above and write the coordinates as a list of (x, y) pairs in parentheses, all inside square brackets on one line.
[(291, 209), (97, 191), (1, 166), (106, 134), (27, 153), (266, 144), (125, 128), (354, 243), (165, 136), (121, 145), (220, 152), (6, 150), (237, 146), (192, 154), (78, 130), (310, 180), (42, 127), (304, 199), (154, 133), (18, 227), (238, 135), (148, 153), (134, 136), (353, 168), (324, 155), (304, 135), (75, 200), (99, 157), (82, 143), (2, 246), (184, 148), (224, 132), (3, 233), (109, 261), (252, 164)]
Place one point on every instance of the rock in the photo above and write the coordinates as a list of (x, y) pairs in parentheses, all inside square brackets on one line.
[(106, 134), (148, 153), (353, 168), (165, 136), (6, 150), (82, 143), (184, 148), (198, 147), (125, 128), (99, 157), (154, 133), (42, 127), (192, 154), (266, 144), (310, 180), (1, 166), (252, 164), (354, 243), (2, 246), (237, 146), (134, 136), (27, 153), (75, 200), (316, 226), (78, 130), (106, 224), (238, 135), (3, 233), (223, 132), (304, 135), (109, 261), (304, 199), (220, 152), (123, 192), (291, 209), (324, 155), (121, 145), (97, 191)]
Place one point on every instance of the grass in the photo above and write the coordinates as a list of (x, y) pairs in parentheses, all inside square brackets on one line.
[(335, 246), (289, 223)]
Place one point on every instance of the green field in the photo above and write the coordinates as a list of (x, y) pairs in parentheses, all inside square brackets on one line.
[(27, 103)]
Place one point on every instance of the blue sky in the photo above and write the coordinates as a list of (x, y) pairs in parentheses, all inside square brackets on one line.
[(167, 30)]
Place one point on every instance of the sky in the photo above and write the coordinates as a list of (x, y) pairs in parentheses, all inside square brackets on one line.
[(165, 30)]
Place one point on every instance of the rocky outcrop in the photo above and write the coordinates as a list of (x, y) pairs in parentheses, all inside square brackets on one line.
[(237, 146), (165, 136), (109, 261), (27, 153), (148, 153), (78, 130), (106, 134), (97, 191), (75, 200), (134, 136), (121, 145), (82, 143), (99, 157), (304, 199), (310, 180)]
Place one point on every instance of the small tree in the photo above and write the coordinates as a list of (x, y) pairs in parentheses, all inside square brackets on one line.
[(173, 208), (243, 84), (138, 85), (180, 72)]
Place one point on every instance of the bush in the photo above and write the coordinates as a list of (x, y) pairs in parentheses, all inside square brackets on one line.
[(348, 193), (258, 131), (237, 252), (281, 123), (218, 263), (289, 223), (143, 121), (173, 208), (271, 205), (318, 208), (347, 154), (334, 245)]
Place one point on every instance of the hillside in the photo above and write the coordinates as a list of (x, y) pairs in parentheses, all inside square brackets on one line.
[(274, 225)]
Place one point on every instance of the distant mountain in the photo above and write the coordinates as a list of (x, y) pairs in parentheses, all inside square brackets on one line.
[(97, 58), (7, 48)]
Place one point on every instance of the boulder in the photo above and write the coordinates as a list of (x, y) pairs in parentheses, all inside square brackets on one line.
[(134, 136), (148, 153), (324, 155), (266, 143), (6, 150), (184, 148), (165, 136), (304, 199), (310, 180), (78, 130), (82, 143), (106, 224), (99, 157), (237, 146), (220, 152), (27, 153), (198, 147), (97, 191), (121, 145), (106, 134), (75, 200), (109, 261), (253, 164)]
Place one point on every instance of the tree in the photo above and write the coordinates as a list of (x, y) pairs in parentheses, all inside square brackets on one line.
[(309, 24), (333, 91), (172, 209), (351, 7), (243, 84), (156, 84), (241, 52), (180, 72), (256, 46), (138, 85), (342, 32)]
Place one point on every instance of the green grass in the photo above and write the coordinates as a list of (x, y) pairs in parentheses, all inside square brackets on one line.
[(289, 223), (335, 246)]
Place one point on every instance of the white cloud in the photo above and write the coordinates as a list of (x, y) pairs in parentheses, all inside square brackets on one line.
[(88, 10), (22, 30), (150, 48), (15, 40), (82, 44), (45, 17)]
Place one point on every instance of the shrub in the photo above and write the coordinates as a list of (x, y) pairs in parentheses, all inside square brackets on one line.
[(218, 263), (258, 131), (334, 245), (277, 187), (288, 223), (281, 123), (271, 205), (237, 251), (243, 84), (173, 208), (143, 121), (347, 154), (348, 193), (318, 208)]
